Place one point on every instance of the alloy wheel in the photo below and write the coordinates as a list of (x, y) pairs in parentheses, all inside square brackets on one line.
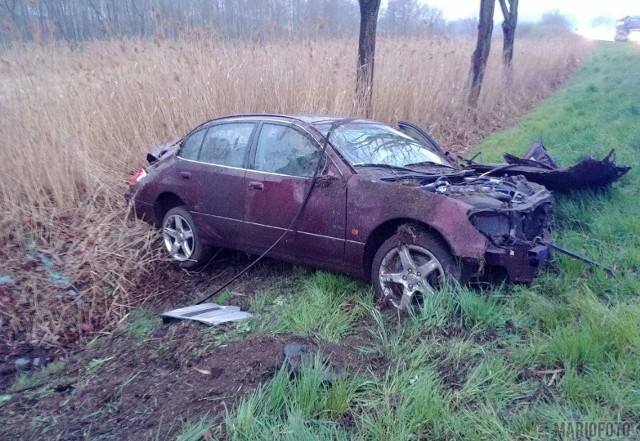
[(407, 270), (178, 237)]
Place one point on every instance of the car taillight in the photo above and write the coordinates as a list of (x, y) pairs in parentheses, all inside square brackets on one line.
[(136, 178)]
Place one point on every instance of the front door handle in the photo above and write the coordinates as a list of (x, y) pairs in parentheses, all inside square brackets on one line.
[(185, 175), (256, 185)]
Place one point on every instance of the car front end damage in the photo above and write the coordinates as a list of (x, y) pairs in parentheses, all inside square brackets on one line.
[(487, 221), (515, 215)]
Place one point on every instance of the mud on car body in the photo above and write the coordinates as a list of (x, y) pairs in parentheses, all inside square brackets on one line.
[(366, 199)]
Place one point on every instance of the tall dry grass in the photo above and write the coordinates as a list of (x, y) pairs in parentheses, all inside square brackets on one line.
[(76, 121)]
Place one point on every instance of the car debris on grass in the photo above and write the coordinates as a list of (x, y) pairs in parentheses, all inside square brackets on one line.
[(208, 313), (537, 165)]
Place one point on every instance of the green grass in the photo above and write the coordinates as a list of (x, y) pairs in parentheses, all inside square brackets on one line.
[(194, 430), (480, 311), (298, 406), (141, 322), (457, 366), (326, 306), (95, 364), (574, 316)]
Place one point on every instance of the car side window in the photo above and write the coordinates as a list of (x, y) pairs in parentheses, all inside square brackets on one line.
[(191, 146), (286, 151), (226, 144)]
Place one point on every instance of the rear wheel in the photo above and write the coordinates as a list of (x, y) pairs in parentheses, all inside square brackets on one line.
[(181, 240), (411, 264)]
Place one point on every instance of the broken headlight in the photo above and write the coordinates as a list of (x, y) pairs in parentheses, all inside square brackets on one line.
[(510, 227), (495, 225)]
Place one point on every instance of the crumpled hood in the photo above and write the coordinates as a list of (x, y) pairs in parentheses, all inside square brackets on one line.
[(505, 193)]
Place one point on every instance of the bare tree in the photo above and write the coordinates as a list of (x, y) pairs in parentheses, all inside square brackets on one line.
[(481, 54), (410, 17), (366, 54), (82, 20), (464, 26), (510, 15), (554, 22), (432, 19), (10, 7)]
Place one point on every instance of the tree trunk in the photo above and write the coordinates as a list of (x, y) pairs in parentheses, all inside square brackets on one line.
[(510, 15), (509, 36), (366, 54), (481, 54)]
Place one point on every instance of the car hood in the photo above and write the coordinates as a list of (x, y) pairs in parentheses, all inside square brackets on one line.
[(493, 193), (478, 190)]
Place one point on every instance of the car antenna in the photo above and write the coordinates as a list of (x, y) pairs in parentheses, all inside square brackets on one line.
[(333, 126)]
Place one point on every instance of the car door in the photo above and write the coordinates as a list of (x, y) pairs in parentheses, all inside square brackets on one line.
[(217, 184), (283, 162)]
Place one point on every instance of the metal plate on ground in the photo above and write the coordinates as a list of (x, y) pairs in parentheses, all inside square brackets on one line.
[(209, 313)]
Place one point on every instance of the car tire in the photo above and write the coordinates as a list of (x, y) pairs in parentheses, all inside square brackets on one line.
[(181, 239), (411, 264)]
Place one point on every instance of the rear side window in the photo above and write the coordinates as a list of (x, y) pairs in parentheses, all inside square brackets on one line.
[(286, 151), (191, 146), (226, 144)]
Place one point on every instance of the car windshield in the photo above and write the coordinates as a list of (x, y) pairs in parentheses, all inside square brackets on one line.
[(379, 144)]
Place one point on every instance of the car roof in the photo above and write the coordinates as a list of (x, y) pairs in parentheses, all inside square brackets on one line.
[(311, 120), (304, 118)]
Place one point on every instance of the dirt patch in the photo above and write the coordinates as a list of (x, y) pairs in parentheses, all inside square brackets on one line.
[(487, 335), (453, 375), (128, 387), (22, 357), (172, 286), (169, 288), (454, 330), (133, 387)]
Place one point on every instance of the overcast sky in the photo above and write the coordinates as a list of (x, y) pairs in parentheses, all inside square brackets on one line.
[(581, 11)]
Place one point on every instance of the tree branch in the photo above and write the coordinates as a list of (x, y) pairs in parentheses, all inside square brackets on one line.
[(514, 10), (505, 10)]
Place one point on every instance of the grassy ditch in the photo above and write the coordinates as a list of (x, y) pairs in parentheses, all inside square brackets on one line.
[(514, 362)]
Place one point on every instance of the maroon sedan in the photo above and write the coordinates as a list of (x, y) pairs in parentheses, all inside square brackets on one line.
[(350, 195)]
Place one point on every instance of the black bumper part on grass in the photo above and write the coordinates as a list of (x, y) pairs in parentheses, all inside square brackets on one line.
[(538, 166)]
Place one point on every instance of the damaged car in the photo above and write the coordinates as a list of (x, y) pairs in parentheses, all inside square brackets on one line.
[(350, 195)]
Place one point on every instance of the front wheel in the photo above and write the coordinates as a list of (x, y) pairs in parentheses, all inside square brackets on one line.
[(410, 265), (181, 239)]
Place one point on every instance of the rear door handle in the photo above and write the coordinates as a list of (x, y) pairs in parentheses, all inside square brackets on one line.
[(185, 175), (256, 185)]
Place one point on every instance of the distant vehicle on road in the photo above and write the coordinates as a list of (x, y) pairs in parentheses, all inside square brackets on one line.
[(625, 26)]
